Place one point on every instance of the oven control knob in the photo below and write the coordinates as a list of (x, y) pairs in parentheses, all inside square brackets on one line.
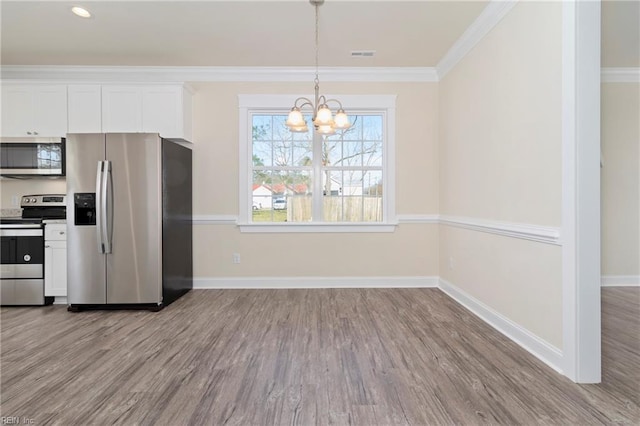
[(27, 257), (26, 201), (33, 200)]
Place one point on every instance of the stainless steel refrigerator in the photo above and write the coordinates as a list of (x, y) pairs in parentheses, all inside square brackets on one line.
[(129, 220)]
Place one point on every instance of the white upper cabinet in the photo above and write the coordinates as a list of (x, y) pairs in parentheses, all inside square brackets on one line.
[(34, 110), (121, 109), (163, 109), (85, 108), (52, 110)]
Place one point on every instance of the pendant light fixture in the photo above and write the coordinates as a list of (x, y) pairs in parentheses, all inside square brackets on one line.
[(324, 121)]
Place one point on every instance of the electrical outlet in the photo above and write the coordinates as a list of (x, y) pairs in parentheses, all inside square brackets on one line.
[(450, 262), (236, 258)]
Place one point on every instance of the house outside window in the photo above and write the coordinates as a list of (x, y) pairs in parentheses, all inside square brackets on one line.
[(313, 183)]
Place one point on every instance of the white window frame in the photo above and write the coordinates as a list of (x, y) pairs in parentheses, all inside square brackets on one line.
[(354, 104)]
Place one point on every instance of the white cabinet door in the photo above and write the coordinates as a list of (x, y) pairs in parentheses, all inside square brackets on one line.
[(121, 109), (85, 108), (55, 268), (50, 110), (162, 110), (17, 111), (34, 110)]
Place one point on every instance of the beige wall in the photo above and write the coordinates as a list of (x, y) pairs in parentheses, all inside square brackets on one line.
[(19, 187), (500, 160), (620, 178), (410, 251)]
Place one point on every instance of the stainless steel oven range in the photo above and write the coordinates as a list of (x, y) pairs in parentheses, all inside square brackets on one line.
[(22, 251)]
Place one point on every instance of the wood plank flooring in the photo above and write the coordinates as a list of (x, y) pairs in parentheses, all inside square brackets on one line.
[(303, 357)]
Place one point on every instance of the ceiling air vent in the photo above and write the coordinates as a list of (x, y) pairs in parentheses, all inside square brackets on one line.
[(362, 53)]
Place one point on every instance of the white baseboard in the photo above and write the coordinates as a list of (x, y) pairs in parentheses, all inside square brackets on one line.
[(542, 350), (60, 300), (313, 282), (620, 281)]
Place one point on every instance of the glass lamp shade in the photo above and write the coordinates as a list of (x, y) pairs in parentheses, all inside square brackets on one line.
[(295, 118), (299, 129), (325, 129), (342, 120), (324, 116)]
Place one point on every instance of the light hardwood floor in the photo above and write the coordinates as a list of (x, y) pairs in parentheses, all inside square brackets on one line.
[(347, 356)]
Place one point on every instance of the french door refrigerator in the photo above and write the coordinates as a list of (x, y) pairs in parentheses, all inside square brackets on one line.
[(129, 220)]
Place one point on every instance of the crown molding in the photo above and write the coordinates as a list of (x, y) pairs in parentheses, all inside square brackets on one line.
[(215, 74), (488, 18), (620, 75)]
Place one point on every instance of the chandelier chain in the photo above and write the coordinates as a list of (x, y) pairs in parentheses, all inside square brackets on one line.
[(317, 80)]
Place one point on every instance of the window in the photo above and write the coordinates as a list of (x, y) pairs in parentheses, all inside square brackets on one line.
[(312, 183)]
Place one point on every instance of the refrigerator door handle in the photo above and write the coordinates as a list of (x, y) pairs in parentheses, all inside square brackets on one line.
[(99, 204), (108, 208)]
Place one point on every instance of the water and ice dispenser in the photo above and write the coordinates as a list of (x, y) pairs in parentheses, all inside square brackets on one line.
[(84, 205)]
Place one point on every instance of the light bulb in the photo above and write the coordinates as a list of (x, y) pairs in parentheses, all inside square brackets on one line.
[(323, 118), (295, 118), (342, 120)]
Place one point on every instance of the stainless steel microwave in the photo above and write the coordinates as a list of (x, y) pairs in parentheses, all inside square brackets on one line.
[(32, 157)]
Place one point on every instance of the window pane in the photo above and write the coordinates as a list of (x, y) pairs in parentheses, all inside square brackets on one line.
[(332, 204), (351, 154), (372, 154), (299, 197), (331, 151), (282, 153), (280, 130), (352, 209), (261, 154), (302, 153), (286, 198), (352, 182), (355, 131), (261, 127), (372, 198), (372, 127)]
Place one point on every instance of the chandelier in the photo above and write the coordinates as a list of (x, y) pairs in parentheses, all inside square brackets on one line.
[(324, 121)]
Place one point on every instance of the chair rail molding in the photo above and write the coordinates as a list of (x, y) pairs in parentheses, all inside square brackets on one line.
[(620, 75), (542, 234)]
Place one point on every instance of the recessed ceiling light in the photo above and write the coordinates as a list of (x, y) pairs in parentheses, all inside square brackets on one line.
[(83, 13)]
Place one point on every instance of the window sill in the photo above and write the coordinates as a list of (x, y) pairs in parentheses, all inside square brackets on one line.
[(316, 227)]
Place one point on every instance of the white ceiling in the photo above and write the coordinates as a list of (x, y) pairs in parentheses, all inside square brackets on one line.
[(262, 32), (232, 33)]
